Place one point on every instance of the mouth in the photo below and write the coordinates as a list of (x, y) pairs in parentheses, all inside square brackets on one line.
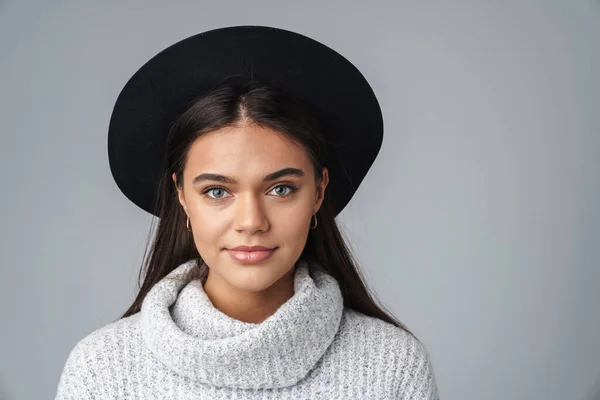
[(251, 255)]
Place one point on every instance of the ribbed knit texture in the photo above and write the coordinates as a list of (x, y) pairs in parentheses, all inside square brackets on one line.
[(179, 346)]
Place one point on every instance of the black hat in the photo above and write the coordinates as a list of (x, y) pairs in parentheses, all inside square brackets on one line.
[(302, 67)]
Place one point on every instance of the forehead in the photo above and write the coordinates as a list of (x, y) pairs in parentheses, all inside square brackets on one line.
[(245, 149)]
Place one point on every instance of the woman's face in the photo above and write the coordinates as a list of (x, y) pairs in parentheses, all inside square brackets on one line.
[(240, 205)]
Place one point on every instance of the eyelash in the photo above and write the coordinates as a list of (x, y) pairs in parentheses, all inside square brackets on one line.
[(205, 192)]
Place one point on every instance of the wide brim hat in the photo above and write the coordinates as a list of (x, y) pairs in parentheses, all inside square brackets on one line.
[(305, 69)]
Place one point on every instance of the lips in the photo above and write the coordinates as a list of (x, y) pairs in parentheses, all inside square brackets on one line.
[(250, 254), (251, 248)]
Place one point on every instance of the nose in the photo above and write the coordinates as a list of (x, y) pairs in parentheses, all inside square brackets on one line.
[(250, 216)]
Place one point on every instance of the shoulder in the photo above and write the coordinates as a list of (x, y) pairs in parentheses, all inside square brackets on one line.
[(95, 354), (105, 339), (398, 350), (392, 338)]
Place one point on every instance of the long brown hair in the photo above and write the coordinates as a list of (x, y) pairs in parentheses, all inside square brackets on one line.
[(226, 105)]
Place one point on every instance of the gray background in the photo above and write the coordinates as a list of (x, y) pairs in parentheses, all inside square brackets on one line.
[(478, 225)]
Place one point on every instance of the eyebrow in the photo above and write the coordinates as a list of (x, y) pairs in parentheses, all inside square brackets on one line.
[(228, 179)]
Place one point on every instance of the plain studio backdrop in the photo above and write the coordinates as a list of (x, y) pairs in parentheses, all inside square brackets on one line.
[(478, 225)]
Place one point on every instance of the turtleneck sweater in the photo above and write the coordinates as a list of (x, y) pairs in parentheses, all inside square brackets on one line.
[(180, 346)]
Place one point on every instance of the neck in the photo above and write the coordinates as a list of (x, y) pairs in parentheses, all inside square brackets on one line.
[(248, 306)]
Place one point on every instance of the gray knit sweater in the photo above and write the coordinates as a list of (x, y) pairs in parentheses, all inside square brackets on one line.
[(179, 346)]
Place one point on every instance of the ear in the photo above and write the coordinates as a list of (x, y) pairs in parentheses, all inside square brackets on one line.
[(180, 196), (321, 189)]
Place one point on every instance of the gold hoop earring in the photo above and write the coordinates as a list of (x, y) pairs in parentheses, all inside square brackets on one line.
[(313, 227), (187, 223)]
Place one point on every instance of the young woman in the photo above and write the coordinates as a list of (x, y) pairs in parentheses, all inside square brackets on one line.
[(246, 142)]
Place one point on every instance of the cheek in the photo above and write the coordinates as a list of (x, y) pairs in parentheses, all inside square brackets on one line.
[(209, 230), (292, 226)]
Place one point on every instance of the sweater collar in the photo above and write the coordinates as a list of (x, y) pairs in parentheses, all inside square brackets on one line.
[(190, 336)]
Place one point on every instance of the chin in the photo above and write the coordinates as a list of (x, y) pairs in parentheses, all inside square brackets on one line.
[(257, 281), (255, 277)]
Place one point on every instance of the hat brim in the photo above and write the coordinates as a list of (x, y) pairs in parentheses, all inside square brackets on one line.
[(305, 69)]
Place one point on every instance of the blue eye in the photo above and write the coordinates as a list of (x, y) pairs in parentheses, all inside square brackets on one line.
[(283, 187), (215, 189), (291, 190)]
